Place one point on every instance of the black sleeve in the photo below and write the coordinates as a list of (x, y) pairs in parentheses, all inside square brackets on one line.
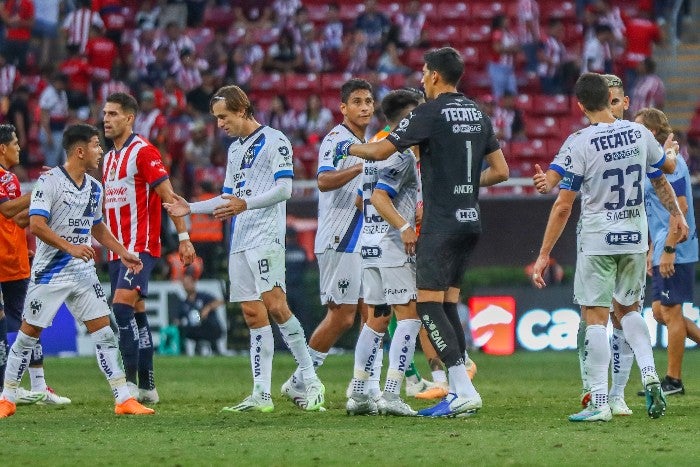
[(415, 128), (492, 143)]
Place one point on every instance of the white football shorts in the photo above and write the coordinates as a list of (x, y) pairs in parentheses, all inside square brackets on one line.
[(600, 278), (340, 277), (393, 286), (256, 271), (86, 300)]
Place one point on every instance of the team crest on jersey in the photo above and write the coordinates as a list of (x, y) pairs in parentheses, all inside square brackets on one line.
[(35, 306), (343, 285), (252, 152), (112, 173)]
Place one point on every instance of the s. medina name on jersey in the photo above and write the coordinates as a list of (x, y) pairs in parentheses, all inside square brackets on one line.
[(339, 221), (454, 136), (607, 162), (71, 211), (254, 163)]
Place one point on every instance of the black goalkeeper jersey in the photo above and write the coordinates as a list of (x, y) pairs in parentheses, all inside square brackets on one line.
[(454, 136)]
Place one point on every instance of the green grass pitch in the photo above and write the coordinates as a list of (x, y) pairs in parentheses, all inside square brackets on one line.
[(527, 398)]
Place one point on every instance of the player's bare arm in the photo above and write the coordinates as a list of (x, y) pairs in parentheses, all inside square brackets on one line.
[(677, 223), (545, 181), (186, 249), (333, 179), (377, 151), (179, 207), (558, 217), (22, 218), (102, 234), (497, 171), (12, 207), (382, 202), (39, 227)]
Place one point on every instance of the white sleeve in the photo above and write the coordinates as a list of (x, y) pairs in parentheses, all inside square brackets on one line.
[(282, 191), (207, 206)]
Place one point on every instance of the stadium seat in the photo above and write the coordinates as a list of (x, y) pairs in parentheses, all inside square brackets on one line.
[(544, 104), (414, 58), (534, 148), (267, 84), (431, 11), (331, 82), (441, 35), (477, 83), (487, 10), (218, 17), (566, 11), (450, 12), (524, 103), (264, 36), (570, 123), (317, 13), (350, 11), (475, 34), (389, 8), (470, 55), (541, 127), (302, 82)]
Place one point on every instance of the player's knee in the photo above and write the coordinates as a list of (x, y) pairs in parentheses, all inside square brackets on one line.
[(343, 316)]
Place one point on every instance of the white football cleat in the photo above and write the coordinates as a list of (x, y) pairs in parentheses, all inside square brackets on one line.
[(392, 404), (361, 404), (593, 414), (53, 399), (315, 396), (133, 390), (253, 403), (25, 397), (148, 396), (618, 406), (297, 396)]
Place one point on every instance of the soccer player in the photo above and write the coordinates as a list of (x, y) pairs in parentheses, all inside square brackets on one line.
[(672, 263), (135, 181), (66, 208), (622, 356), (606, 162), (258, 184), (388, 239), (14, 270), (454, 138), (339, 224)]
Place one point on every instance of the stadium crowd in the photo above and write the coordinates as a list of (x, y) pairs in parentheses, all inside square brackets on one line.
[(59, 61)]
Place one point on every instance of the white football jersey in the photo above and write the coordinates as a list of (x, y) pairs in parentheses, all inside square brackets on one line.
[(71, 211), (607, 163), (398, 176), (254, 163), (339, 221)]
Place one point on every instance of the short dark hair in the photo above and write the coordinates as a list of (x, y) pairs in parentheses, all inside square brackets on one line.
[(395, 103), (447, 62), (592, 91), (235, 99), (78, 133), (7, 132), (127, 101), (352, 85)]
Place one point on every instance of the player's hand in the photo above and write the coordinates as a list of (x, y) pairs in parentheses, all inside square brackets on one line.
[(672, 144), (186, 251), (84, 252), (178, 208), (342, 150), (650, 267), (666, 267), (540, 180), (409, 239), (679, 226), (538, 270), (132, 262), (233, 207), (419, 213)]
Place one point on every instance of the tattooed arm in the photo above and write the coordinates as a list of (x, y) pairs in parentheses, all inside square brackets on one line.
[(677, 222)]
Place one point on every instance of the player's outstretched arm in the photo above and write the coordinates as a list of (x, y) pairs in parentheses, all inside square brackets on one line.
[(497, 171), (558, 217), (545, 181), (102, 234), (186, 249), (377, 151), (178, 208), (22, 218), (333, 179), (677, 223), (382, 202), (39, 227)]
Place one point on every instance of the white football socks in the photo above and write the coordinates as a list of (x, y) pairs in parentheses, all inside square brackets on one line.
[(108, 359), (376, 373), (293, 335), (262, 349), (403, 346), (317, 358), (366, 349), (637, 336), (596, 363), (17, 363), (621, 358), (36, 376)]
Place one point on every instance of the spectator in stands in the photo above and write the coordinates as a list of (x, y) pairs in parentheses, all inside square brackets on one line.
[(311, 50), (143, 52), (76, 25), (238, 71), (390, 62), (249, 13), (195, 12), (198, 320), (46, 28), (77, 71), (18, 17), (508, 121), (149, 121), (556, 70), (529, 32), (332, 37), (504, 48), (177, 41), (53, 105), (410, 24), (298, 23), (284, 55), (188, 74), (170, 99), (160, 69), (9, 77), (356, 52), (198, 98), (315, 121), (112, 14), (597, 52), (18, 114), (147, 16), (284, 11), (253, 53), (649, 90), (282, 117), (375, 25), (115, 83), (101, 53), (198, 150), (642, 33), (611, 15)]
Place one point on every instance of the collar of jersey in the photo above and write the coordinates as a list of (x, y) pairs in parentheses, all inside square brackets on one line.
[(258, 129), (73, 181), (126, 143)]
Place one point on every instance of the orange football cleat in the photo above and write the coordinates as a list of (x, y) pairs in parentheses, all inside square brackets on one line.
[(7, 408), (132, 407)]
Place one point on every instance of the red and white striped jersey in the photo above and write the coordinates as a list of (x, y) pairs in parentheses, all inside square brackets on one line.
[(110, 87), (77, 25), (8, 78), (132, 207)]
